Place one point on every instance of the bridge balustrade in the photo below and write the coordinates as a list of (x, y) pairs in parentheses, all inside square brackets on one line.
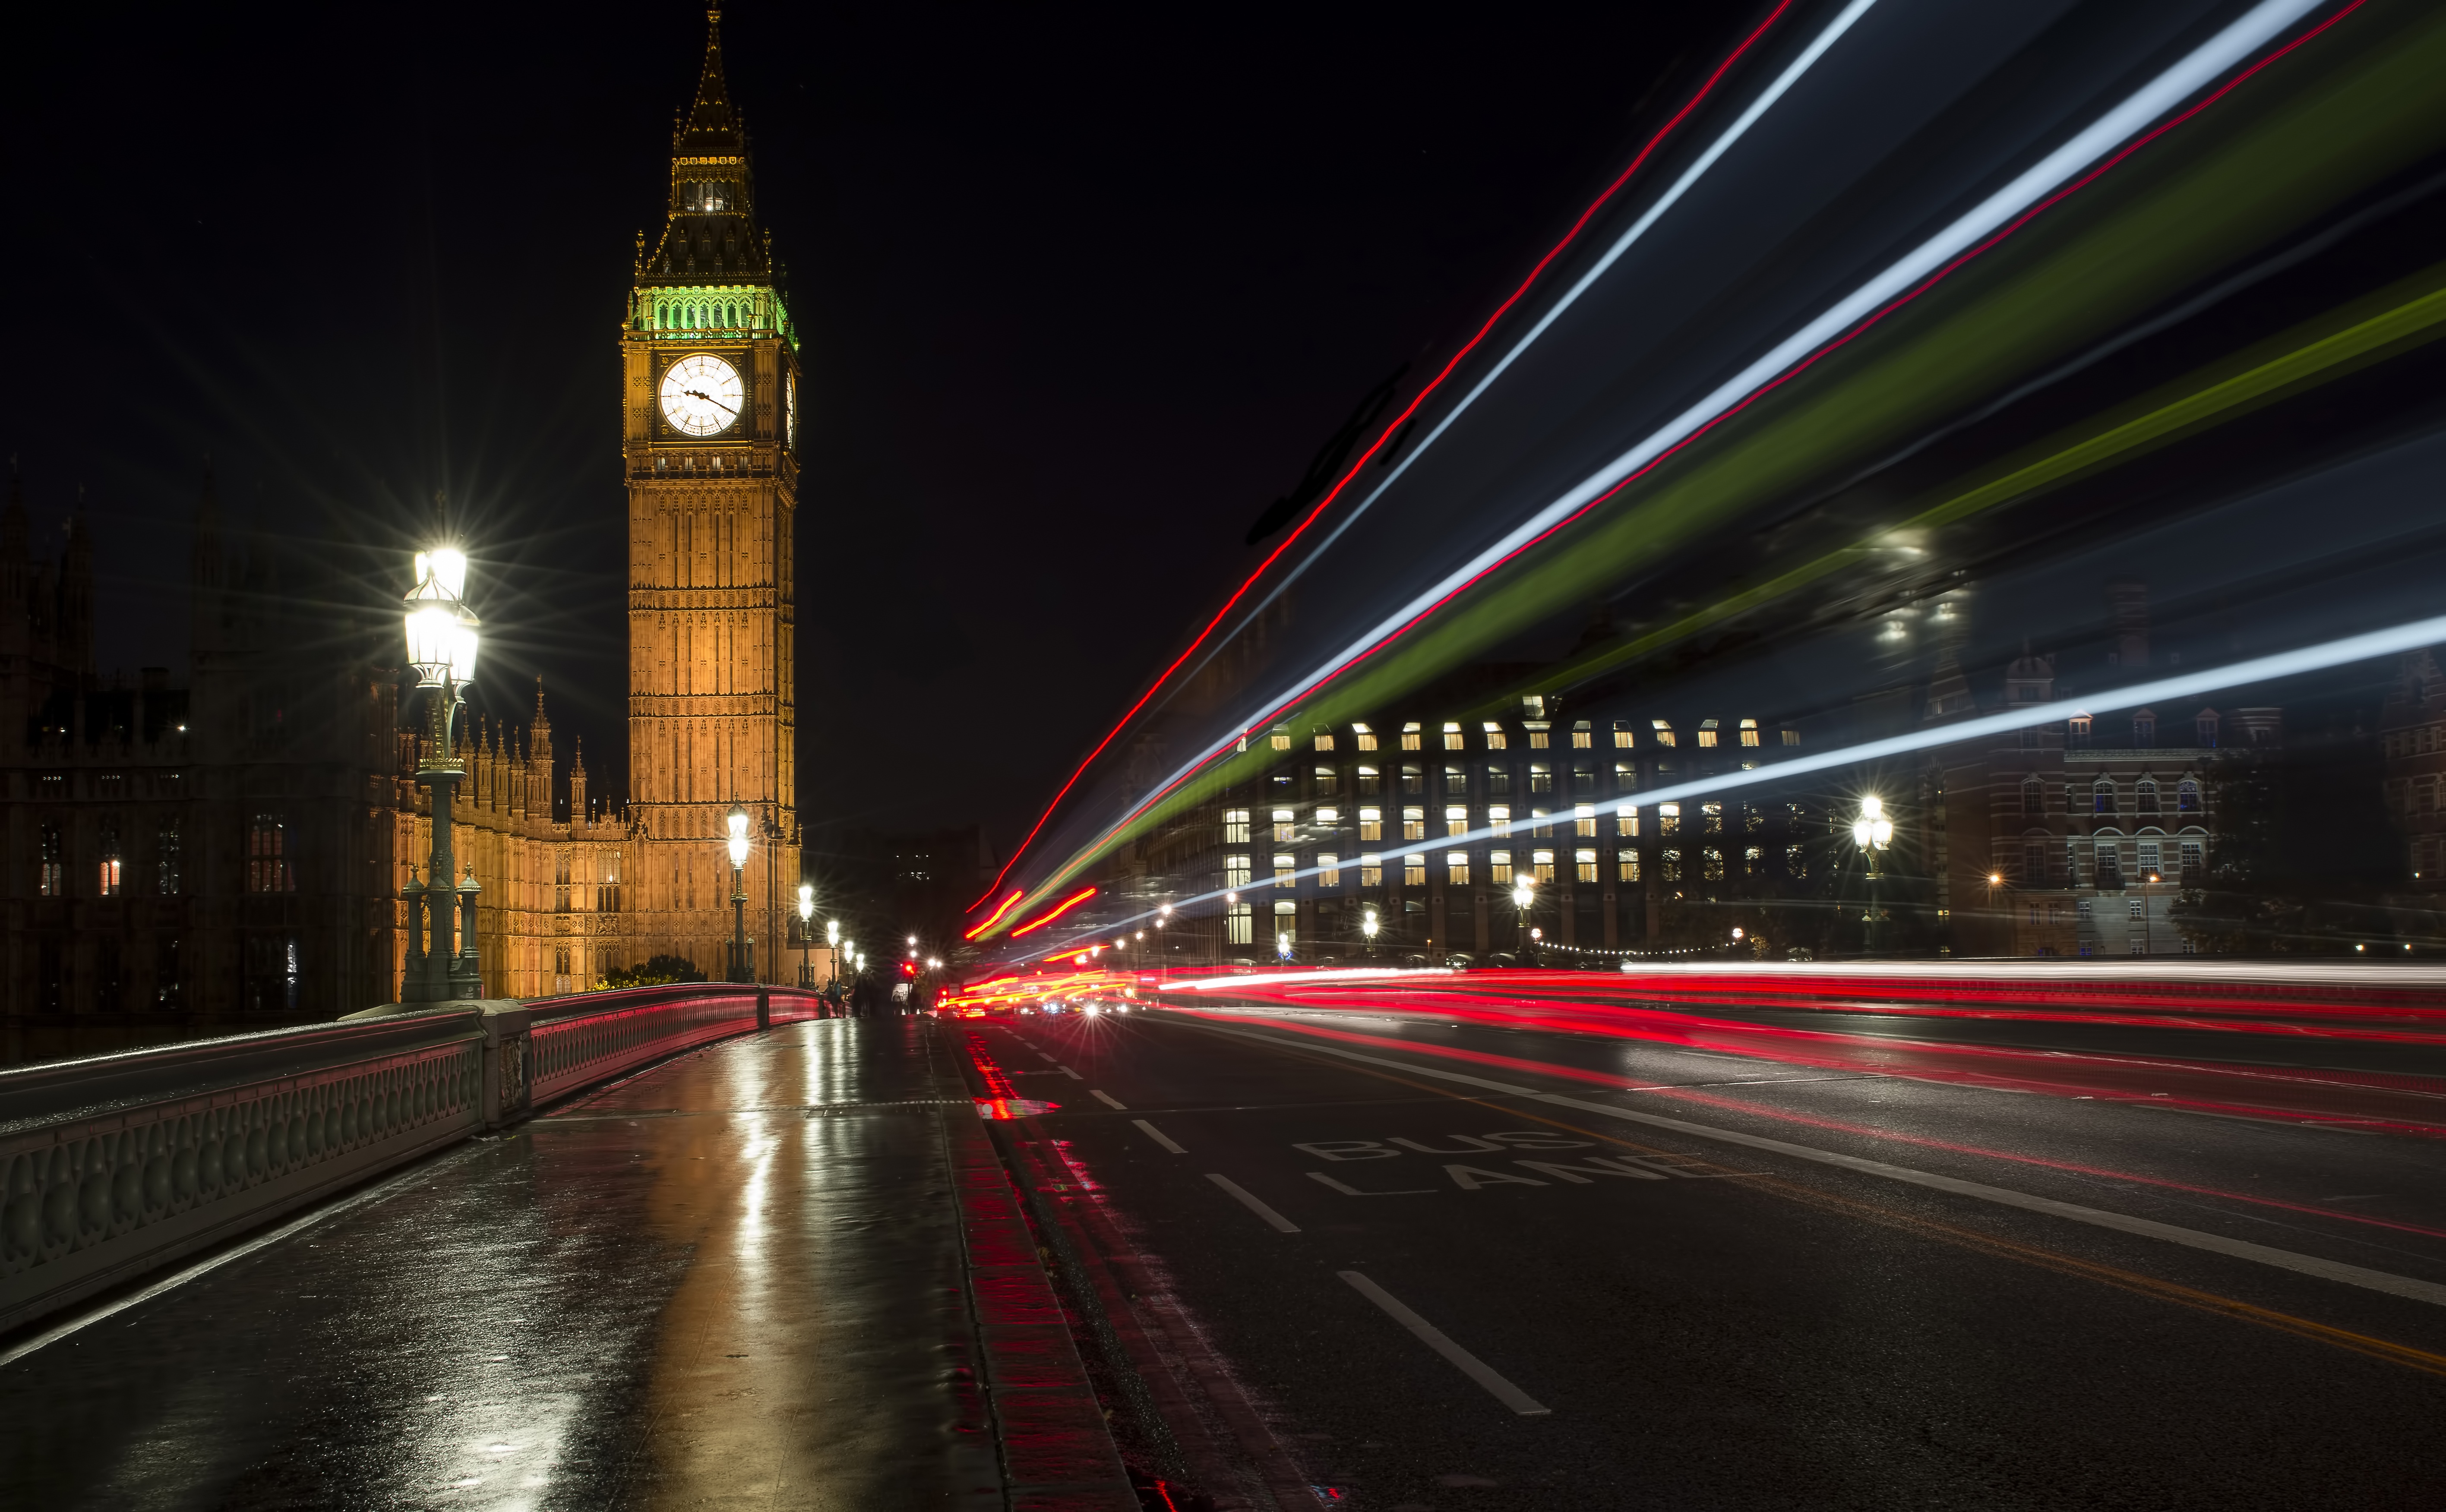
[(115, 1166)]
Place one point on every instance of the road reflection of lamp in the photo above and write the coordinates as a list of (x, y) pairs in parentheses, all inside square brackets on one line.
[(441, 644), (806, 921), (1873, 832), (738, 847)]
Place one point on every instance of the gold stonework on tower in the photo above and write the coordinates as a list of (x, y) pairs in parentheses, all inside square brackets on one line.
[(710, 375)]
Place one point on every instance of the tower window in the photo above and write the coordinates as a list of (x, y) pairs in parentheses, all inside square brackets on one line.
[(267, 868)]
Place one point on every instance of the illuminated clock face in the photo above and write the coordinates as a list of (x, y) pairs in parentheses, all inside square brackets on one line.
[(700, 394)]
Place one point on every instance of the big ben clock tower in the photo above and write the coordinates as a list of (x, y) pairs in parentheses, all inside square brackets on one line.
[(710, 389)]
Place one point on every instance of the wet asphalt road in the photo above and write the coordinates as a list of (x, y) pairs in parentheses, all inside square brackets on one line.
[(732, 1280), (1710, 1324)]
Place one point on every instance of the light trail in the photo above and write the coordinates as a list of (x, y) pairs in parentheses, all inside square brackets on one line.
[(2007, 210), (1672, 195), (2079, 162), (995, 917), (2321, 658), (1059, 909), (1841, 23)]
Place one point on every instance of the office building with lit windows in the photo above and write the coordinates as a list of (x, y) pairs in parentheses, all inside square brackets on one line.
[(1347, 821)]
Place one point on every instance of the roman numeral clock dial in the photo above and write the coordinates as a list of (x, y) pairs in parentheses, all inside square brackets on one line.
[(702, 394)]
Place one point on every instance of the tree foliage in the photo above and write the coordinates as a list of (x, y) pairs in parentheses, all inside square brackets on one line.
[(654, 973), (2301, 857)]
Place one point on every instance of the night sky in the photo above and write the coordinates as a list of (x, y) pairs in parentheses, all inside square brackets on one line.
[(1079, 296)]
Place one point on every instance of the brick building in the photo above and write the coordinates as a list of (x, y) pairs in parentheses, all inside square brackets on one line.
[(2074, 838)]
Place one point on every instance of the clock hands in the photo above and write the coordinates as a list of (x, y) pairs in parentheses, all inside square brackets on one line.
[(710, 400)]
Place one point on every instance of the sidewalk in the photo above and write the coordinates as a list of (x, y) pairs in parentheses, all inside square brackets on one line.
[(742, 1278)]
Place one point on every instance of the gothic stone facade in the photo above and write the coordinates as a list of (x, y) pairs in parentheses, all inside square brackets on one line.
[(710, 362)]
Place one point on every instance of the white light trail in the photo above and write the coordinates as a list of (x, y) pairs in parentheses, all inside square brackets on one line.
[(1672, 195), (2193, 72), (2363, 647)]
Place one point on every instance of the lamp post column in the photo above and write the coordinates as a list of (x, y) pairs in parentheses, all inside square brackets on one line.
[(1873, 832), (738, 968), (466, 972), (441, 644)]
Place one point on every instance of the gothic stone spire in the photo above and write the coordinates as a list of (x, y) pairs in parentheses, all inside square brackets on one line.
[(709, 233)]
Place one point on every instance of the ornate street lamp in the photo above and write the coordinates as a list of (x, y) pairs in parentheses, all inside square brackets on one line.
[(737, 845), (1368, 925), (806, 922), (831, 938), (1523, 894), (442, 641), (1873, 832)]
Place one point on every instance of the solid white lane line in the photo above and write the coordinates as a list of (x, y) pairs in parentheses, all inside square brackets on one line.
[(1471, 1366), (1159, 1136), (1252, 1202), (1107, 1099), (2386, 1281)]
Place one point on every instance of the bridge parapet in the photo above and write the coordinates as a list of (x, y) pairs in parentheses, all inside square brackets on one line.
[(114, 1165)]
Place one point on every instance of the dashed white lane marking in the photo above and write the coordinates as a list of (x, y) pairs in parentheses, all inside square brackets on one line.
[(1068, 1072), (2392, 1285), (1434, 1337), (1252, 1202), (1159, 1136), (1347, 1190), (1107, 1099)]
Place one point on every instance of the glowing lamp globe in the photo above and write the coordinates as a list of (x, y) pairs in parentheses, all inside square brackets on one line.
[(737, 837)]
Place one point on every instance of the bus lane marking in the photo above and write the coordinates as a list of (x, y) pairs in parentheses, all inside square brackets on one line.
[(2411, 1288)]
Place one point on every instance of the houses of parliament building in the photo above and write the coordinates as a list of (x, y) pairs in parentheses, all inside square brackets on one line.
[(232, 845)]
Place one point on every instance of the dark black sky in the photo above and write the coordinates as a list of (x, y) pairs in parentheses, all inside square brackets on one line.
[(1079, 295)]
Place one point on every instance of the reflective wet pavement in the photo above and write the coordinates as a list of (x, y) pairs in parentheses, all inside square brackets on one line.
[(734, 1279)]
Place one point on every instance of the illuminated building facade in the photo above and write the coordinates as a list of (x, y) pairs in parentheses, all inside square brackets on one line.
[(2076, 838), (710, 393)]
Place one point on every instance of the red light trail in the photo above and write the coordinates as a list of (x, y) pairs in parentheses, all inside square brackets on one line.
[(1397, 421), (1714, 1099), (995, 917), (1059, 909)]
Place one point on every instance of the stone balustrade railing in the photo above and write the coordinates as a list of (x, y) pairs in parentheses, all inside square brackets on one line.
[(113, 1166)]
